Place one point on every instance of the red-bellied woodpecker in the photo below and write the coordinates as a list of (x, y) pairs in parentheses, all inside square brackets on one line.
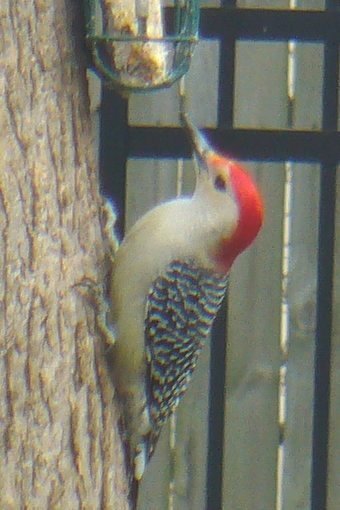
[(170, 276)]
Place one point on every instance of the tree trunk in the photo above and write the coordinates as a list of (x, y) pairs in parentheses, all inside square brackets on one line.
[(59, 442)]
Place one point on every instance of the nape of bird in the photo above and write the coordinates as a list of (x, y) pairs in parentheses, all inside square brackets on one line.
[(169, 278)]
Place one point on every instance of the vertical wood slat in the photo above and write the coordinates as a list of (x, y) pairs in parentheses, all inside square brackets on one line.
[(300, 293), (253, 359), (191, 450), (334, 433), (162, 108), (148, 182), (282, 4), (263, 4), (253, 353), (310, 4), (153, 492), (301, 299), (260, 85)]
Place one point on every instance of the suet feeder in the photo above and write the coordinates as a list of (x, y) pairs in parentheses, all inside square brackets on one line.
[(141, 45)]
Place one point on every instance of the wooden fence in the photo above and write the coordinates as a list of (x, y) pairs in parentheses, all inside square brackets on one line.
[(267, 448)]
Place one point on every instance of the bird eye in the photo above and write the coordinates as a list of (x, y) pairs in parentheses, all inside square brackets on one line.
[(220, 183)]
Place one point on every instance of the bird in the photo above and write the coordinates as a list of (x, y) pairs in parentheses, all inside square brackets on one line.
[(169, 277)]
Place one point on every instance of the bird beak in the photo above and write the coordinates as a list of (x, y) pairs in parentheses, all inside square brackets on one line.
[(199, 144)]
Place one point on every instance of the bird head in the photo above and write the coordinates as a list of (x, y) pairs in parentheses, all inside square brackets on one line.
[(226, 187)]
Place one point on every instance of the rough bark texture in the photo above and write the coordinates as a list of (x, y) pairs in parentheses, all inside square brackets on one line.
[(59, 442)]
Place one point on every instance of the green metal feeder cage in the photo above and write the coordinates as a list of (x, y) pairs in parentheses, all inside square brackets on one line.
[(141, 45)]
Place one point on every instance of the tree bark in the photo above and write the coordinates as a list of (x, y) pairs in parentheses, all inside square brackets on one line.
[(59, 443)]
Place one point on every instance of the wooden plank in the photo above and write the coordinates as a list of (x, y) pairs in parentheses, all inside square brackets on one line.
[(261, 85), (301, 284), (253, 360), (262, 4), (282, 4), (253, 356), (162, 108), (154, 487), (307, 103), (301, 300), (190, 454), (310, 5), (334, 436), (201, 84), (148, 182)]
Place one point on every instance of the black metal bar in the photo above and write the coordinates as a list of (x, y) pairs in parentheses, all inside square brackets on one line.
[(218, 348), (254, 144), (323, 347), (323, 339), (113, 151), (226, 77), (225, 112), (270, 24), (217, 381)]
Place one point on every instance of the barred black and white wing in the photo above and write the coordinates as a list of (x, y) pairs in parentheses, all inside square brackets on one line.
[(181, 307)]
